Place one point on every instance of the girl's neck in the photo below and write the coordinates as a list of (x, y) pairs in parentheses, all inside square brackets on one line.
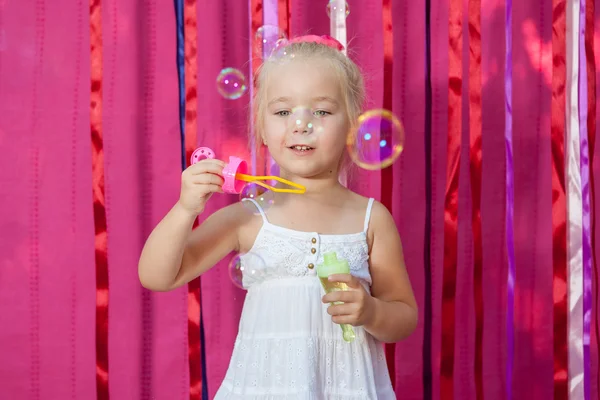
[(317, 187)]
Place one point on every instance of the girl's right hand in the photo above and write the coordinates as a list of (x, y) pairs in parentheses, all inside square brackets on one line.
[(198, 182)]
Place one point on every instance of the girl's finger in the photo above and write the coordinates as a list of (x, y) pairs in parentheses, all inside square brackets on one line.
[(347, 296), (207, 179), (204, 166), (340, 309)]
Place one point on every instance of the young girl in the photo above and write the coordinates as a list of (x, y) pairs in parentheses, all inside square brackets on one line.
[(289, 343)]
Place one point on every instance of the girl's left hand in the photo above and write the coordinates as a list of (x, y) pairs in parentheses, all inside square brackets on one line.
[(358, 304)]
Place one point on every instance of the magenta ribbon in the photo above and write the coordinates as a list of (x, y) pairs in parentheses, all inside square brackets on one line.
[(510, 202), (585, 191)]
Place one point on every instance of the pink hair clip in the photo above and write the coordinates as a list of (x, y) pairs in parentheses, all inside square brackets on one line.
[(324, 40)]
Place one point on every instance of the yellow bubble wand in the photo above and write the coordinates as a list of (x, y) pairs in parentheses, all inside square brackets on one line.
[(299, 189), (235, 175)]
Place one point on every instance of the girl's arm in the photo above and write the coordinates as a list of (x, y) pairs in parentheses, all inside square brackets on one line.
[(394, 311), (174, 254)]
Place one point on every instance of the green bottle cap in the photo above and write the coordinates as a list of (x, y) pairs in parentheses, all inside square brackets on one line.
[(331, 265)]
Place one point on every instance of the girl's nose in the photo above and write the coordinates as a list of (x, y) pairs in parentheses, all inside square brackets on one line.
[(302, 127), (302, 121)]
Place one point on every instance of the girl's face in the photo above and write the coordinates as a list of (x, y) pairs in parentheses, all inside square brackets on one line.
[(306, 123)]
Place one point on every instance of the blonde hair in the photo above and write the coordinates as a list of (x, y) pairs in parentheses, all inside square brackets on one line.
[(349, 75)]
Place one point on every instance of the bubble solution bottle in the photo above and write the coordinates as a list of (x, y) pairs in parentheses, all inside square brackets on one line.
[(331, 265)]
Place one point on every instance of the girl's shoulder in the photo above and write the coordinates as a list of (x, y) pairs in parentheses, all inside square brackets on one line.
[(377, 216)]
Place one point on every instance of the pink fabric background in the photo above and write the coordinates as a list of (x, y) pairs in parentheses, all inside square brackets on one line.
[(47, 276)]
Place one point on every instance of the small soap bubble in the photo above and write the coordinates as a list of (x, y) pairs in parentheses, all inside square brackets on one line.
[(303, 119), (259, 194), (282, 52), (332, 8), (231, 83), (245, 268), (377, 141), (267, 39)]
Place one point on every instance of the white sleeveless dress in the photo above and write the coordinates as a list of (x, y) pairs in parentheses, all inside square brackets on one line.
[(287, 346)]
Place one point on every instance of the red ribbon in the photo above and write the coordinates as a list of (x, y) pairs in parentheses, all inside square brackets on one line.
[(475, 93), (284, 16), (191, 107), (257, 21), (559, 209), (451, 198), (100, 245), (387, 174)]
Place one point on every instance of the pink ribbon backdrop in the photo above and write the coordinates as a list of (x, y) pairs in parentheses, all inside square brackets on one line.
[(51, 337)]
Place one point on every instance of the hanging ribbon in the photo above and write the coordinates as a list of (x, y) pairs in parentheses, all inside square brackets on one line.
[(574, 207), (590, 270), (284, 20), (451, 198), (181, 76), (337, 22), (428, 309), (256, 21), (387, 174), (559, 240), (188, 101), (271, 19), (100, 252), (586, 200), (337, 30), (510, 202), (475, 124)]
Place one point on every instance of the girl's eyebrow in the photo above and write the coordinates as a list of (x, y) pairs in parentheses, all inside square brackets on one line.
[(279, 100), (325, 98), (316, 99)]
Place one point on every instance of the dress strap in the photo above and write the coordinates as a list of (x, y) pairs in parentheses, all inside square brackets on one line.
[(368, 214), (259, 208)]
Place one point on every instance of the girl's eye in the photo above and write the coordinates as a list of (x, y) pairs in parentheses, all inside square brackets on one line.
[(282, 113), (321, 113)]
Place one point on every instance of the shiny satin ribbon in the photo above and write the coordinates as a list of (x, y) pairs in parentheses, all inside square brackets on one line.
[(559, 207), (475, 133), (256, 18), (574, 207), (586, 200), (455, 50), (190, 103), (181, 76), (590, 266), (387, 174), (337, 30), (337, 22), (283, 10), (510, 202), (427, 373), (271, 18), (99, 206)]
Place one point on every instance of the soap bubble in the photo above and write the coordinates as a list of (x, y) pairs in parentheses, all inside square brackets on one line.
[(332, 8), (231, 83), (245, 268), (282, 53), (303, 118), (259, 194), (267, 39), (377, 141)]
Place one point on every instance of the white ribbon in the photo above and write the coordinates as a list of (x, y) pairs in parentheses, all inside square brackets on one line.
[(574, 207)]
